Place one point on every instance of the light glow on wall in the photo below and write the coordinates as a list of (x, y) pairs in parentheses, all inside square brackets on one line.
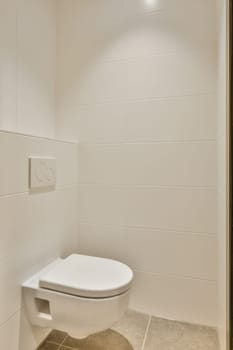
[(151, 3)]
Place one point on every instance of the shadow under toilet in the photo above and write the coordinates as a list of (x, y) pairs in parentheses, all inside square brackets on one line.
[(107, 340)]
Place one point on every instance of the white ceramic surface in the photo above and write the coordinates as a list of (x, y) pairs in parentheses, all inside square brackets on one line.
[(78, 316), (88, 276)]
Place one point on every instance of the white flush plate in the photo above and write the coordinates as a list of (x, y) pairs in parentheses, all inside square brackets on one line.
[(42, 172)]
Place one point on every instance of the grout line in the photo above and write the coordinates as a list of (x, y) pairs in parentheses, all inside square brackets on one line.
[(40, 138), (30, 192), (155, 98), (138, 57), (146, 333), (176, 276), (67, 187), (10, 317), (67, 347), (8, 195), (147, 143), (152, 12), (145, 57), (168, 231), (142, 186), (63, 342), (52, 342)]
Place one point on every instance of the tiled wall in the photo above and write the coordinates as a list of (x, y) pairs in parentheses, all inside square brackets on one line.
[(223, 180), (35, 227), (27, 66), (137, 87)]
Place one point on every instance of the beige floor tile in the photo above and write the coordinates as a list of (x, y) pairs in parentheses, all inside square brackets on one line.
[(107, 340), (49, 346), (56, 337), (172, 335), (127, 334), (74, 343), (133, 327)]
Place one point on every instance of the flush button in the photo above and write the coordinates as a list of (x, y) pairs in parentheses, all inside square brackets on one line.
[(42, 172)]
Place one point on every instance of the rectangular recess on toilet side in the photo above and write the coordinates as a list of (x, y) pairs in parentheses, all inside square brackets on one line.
[(43, 308)]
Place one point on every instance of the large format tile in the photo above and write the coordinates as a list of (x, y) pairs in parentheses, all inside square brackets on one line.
[(36, 67), (47, 223), (180, 209), (177, 298), (127, 334), (14, 178), (124, 31), (107, 340), (192, 255), (10, 288), (204, 11), (27, 75), (158, 164), (30, 337), (171, 335), (171, 119), (127, 35), (136, 332), (133, 327), (143, 36), (49, 346), (56, 337), (176, 75), (9, 333), (8, 64)]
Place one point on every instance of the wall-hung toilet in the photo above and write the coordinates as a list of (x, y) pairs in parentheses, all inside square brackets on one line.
[(80, 295)]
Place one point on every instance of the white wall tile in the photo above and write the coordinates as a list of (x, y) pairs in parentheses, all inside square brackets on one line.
[(30, 336), (161, 164), (9, 333), (205, 11), (123, 30), (8, 65), (195, 300), (10, 291), (68, 227), (180, 209), (145, 74), (155, 251), (34, 221), (158, 33), (185, 118), (140, 6), (36, 76), (15, 161), (175, 75), (36, 228), (224, 211), (27, 66)]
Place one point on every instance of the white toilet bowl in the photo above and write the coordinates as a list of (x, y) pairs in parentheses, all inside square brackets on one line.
[(80, 295)]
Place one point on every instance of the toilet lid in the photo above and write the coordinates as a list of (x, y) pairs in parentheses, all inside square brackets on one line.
[(88, 276)]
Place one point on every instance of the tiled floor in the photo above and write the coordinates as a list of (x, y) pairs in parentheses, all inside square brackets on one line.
[(136, 331)]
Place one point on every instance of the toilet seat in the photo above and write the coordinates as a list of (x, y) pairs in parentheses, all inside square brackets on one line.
[(87, 276)]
